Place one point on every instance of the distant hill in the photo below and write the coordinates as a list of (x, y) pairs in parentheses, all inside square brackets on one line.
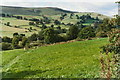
[(33, 11), (42, 11)]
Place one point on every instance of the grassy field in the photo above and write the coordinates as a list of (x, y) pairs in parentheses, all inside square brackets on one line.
[(8, 31), (24, 24), (78, 59)]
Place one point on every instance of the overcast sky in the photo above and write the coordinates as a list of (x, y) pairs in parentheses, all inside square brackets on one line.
[(106, 7)]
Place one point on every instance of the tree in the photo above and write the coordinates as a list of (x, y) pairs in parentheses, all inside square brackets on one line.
[(52, 25), (57, 22), (24, 41), (97, 18), (22, 34), (88, 16), (6, 46), (73, 32), (8, 24), (30, 28), (6, 39), (86, 33), (47, 21), (61, 18), (63, 15), (59, 28), (64, 30), (71, 15), (77, 17), (19, 17), (31, 23), (33, 37), (107, 25), (15, 42), (117, 20), (15, 34), (40, 35), (111, 52), (44, 26), (49, 35), (3, 15)]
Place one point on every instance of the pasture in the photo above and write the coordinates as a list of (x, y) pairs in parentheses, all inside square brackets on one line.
[(78, 59)]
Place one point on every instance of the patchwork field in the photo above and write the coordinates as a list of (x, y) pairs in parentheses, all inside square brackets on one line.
[(23, 27), (51, 13), (78, 59)]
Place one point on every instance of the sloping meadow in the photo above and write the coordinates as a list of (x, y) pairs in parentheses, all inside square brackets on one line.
[(78, 59)]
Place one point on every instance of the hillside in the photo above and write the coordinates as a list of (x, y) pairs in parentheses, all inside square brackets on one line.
[(33, 11), (36, 11), (51, 13), (71, 60)]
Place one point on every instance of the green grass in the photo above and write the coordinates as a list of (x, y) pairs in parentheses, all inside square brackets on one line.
[(8, 31), (79, 59), (15, 22)]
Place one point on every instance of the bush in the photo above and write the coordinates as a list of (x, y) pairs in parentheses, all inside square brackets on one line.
[(6, 46)]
